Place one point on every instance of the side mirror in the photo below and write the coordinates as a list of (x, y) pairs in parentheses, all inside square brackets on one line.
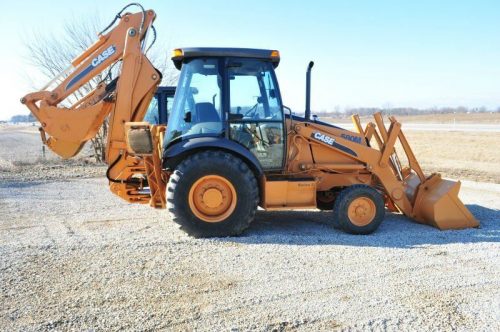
[(187, 117)]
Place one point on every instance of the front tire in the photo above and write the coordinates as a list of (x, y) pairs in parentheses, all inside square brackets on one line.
[(359, 209), (212, 194)]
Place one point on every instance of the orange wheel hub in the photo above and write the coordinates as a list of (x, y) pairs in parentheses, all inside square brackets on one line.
[(361, 211), (212, 198)]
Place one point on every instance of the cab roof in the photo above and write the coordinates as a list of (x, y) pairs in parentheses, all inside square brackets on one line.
[(180, 54)]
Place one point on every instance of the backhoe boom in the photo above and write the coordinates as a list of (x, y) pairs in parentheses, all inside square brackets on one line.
[(65, 129)]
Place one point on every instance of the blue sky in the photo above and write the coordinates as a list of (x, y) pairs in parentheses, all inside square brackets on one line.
[(367, 53)]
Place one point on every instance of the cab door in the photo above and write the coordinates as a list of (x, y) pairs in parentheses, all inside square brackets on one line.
[(255, 113)]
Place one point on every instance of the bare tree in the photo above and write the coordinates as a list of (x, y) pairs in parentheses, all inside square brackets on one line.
[(51, 55)]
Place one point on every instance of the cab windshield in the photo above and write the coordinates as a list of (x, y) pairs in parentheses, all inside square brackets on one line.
[(197, 108)]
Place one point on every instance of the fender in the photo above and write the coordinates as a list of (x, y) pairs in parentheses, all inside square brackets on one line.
[(174, 154)]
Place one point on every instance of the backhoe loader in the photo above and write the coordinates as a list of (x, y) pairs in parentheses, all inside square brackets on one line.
[(231, 145)]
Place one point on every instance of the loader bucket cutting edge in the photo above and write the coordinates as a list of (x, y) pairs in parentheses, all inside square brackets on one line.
[(437, 204)]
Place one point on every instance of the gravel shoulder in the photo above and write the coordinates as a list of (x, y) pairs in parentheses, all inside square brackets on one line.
[(73, 256)]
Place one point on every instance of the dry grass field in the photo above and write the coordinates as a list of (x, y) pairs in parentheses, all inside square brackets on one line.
[(458, 155)]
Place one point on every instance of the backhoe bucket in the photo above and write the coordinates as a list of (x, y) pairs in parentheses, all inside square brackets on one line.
[(68, 129), (437, 204), (65, 130)]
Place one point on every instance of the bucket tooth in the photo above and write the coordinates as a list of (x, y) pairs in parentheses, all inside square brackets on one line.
[(437, 204)]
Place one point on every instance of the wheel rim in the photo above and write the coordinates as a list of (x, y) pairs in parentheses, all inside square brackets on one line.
[(361, 211), (212, 198)]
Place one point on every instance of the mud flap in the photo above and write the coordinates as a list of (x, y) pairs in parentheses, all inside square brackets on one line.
[(437, 204)]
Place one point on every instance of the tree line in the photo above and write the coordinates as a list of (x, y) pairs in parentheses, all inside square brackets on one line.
[(367, 111)]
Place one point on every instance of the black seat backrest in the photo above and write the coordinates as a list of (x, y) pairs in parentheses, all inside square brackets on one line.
[(206, 112)]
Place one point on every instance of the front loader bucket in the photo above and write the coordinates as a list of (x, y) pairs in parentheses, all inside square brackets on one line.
[(427, 200), (437, 204)]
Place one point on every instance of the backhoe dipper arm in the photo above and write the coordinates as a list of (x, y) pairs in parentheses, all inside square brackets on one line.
[(126, 98)]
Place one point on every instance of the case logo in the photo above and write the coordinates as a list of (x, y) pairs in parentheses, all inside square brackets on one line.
[(94, 63), (323, 138), (104, 55)]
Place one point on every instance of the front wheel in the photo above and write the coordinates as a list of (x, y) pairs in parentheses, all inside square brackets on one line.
[(359, 209), (212, 193)]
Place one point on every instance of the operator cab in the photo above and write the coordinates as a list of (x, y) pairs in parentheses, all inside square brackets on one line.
[(230, 94)]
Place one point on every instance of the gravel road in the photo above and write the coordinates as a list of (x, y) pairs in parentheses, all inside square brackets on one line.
[(73, 256)]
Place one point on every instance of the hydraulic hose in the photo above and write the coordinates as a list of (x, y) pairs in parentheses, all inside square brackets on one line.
[(119, 15), (113, 164)]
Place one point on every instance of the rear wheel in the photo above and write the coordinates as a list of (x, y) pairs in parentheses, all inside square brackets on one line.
[(359, 209), (211, 194)]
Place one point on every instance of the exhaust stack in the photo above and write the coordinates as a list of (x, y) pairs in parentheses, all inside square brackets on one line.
[(308, 91)]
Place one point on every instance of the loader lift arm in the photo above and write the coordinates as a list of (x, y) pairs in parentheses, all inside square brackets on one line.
[(429, 200), (65, 129)]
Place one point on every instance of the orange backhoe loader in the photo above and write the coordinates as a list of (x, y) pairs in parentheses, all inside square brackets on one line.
[(231, 145)]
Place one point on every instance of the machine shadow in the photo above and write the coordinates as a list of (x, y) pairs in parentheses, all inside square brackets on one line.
[(397, 231)]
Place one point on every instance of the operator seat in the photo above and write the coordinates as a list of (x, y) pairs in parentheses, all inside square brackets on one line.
[(206, 112)]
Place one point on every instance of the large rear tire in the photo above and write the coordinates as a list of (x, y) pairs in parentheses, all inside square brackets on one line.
[(359, 209), (212, 194)]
